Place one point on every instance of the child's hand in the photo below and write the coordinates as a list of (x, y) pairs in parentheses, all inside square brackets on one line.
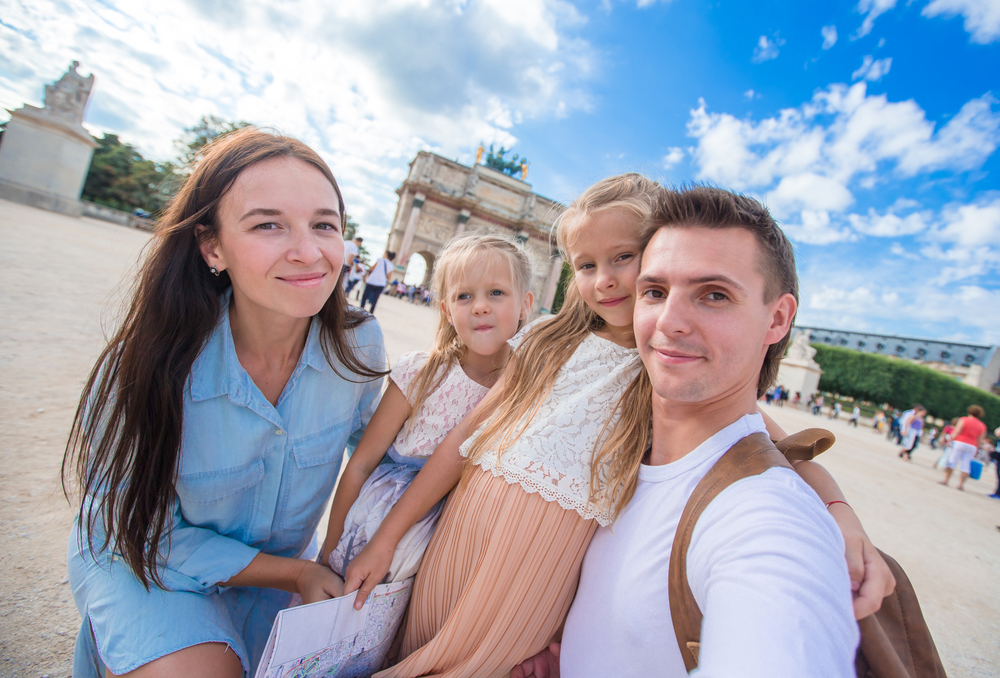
[(368, 569), (545, 664), (871, 579), (317, 582)]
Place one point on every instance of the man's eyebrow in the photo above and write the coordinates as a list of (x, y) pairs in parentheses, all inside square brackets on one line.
[(653, 279)]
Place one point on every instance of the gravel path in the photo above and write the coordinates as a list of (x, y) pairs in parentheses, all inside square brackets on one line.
[(60, 281)]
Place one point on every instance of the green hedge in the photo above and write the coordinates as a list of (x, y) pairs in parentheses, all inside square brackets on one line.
[(900, 383)]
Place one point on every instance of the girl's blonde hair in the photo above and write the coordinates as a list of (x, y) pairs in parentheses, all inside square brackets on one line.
[(533, 368), (475, 252)]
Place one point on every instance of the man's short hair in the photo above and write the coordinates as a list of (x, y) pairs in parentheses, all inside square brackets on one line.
[(358, 238), (711, 207)]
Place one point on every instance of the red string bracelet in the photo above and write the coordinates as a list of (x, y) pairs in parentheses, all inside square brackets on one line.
[(837, 501)]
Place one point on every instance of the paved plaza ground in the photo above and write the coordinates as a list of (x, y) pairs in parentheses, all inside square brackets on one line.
[(60, 283)]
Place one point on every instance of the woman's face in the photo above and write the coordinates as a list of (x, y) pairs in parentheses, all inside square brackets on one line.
[(279, 238)]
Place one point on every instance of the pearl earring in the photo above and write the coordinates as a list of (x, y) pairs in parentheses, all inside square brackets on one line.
[(214, 271)]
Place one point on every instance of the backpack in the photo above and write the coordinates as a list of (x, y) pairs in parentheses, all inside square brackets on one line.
[(895, 641)]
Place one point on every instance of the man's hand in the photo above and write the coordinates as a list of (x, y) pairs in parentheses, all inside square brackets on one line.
[(545, 664), (368, 569), (317, 582), (871, 579)]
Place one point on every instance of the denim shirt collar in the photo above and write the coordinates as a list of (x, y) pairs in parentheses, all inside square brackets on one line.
[(217, 370)]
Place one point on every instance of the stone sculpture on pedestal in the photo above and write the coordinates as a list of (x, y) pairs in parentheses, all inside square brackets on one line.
[(799, 372), (46, 152)]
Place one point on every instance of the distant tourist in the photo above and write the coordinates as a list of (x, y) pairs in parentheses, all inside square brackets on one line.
[(351, 251), (378, 278), (818, 405), (879, 421), (911, 425), (969, 436), (855, 416), (836, 410), (995, 456)]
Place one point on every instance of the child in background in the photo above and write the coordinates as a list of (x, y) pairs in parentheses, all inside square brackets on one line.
[(483, 282), (501, 570)]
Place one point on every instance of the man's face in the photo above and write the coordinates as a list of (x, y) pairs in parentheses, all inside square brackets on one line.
[(701, 323)]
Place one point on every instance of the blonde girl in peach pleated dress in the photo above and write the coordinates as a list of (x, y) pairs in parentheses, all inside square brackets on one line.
[(501, 570)]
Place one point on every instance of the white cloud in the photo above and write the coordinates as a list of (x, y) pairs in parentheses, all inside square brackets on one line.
[(766, 49), (829, 36), (889, 225), (814, 227), (872, 70), (366, 84), (973, 225), (808, 191), (807, 161), (749, 94), (982, 17), (872, 9), (842, 133), (673, 157)]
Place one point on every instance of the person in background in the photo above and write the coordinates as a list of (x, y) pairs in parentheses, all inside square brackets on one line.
[(376, 280), (912, 427), (879, 421), (969, 436), (356, 274), (995, 456), (855, 416), (351, 251)]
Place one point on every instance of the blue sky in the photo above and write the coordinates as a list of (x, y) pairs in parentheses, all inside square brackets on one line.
[(870, 129)]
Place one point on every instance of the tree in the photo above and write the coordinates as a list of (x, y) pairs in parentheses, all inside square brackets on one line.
[(121, 178), (189, 145)]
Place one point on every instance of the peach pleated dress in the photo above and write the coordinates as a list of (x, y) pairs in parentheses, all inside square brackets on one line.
[(501, 571)]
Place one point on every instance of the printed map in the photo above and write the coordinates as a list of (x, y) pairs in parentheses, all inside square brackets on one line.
[(332, 639)]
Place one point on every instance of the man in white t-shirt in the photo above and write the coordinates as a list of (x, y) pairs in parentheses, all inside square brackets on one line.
[(716, 297)]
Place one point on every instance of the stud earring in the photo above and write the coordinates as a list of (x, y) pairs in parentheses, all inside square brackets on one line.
[(214, 271)]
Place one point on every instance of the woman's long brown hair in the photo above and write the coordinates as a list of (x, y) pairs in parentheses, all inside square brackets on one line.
[(125, 440), (535, 365)]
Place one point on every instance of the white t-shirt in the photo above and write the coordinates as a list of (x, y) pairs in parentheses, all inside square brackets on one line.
[(766, 566), (380, 273), (350, 251)]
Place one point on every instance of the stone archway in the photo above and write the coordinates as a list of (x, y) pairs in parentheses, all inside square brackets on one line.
[(426, 262)]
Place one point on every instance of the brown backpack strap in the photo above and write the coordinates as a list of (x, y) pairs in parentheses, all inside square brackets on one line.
[(751, 456), (805, 444)]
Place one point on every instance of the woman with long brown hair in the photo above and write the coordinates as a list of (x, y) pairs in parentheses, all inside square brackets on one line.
[(210, 432)]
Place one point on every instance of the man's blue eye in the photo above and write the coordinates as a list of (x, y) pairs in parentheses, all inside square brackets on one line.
[(270, 226)]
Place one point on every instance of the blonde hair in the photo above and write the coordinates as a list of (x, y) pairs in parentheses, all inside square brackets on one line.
[(534, 367), (476, 252)]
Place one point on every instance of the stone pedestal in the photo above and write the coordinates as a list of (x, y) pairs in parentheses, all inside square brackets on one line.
[(45, 153), (798, 372)]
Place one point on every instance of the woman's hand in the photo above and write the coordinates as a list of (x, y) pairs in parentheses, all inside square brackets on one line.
[(317, 582), (871, 579), (368, 569)]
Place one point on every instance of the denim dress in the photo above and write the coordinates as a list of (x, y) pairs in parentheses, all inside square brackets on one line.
[(252, 478)]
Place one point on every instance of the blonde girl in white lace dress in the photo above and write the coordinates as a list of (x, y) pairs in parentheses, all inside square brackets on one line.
[(501, 570), (483, 282)]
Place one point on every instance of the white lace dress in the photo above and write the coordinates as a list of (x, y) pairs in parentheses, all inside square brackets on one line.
[(442, 410), (553, 455)]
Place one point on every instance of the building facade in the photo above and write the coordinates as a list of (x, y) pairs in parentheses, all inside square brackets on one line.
[(441, 198), (971, 364)]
